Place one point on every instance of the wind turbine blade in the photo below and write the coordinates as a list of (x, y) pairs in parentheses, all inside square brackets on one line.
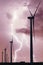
[(37, 8), (30, 13)]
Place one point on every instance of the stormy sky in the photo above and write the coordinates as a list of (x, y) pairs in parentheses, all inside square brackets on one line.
[(13, 16)]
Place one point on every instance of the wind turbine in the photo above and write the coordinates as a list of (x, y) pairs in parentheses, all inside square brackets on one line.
[(5, 54), (31, 18), (11, 46)]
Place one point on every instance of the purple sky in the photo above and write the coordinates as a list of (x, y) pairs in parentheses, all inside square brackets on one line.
[(16, 12)]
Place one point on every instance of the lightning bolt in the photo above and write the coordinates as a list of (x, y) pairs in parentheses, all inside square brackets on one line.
[(21, 44), (19, 47)]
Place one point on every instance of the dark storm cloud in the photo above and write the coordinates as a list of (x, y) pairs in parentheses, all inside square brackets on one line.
[(23, 30)]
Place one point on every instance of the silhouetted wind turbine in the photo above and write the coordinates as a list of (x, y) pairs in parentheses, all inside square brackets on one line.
[(31, 18), (11, 45), (5, 54)]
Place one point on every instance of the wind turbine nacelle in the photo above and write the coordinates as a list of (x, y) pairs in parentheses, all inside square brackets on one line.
[(11, 41), (32, 17)]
